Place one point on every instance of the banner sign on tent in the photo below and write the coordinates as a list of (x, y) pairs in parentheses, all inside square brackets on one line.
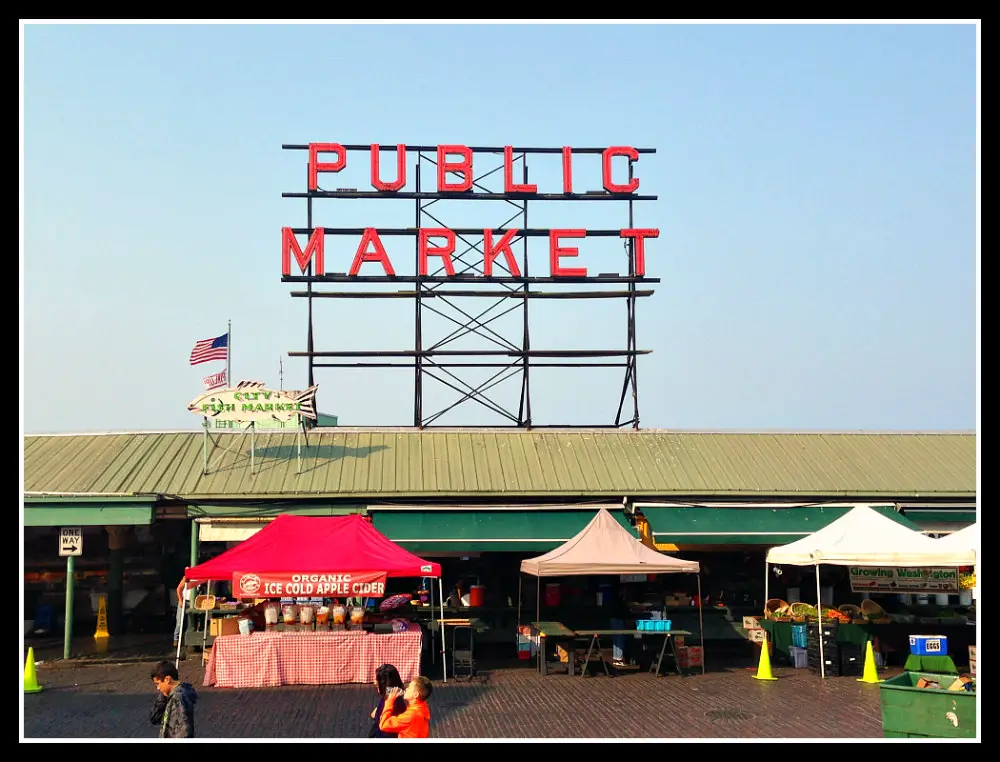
[(887, 579), (293, 585)]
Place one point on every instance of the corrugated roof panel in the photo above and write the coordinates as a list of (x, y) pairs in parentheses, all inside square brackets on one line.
[(488, 462)]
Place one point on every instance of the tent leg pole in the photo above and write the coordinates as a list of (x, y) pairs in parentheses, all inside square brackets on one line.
[(433, 638), (180, 634), (444, 657), (701, 626), (819, 611), (538, 615)]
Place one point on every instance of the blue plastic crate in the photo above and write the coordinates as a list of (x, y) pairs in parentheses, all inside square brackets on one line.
[(929, 645), (799, 636)]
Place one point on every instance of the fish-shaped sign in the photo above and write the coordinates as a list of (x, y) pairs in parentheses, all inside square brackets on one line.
[(252, 401)]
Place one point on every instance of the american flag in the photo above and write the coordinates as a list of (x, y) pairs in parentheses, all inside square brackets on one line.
[(215, 380), (211, 349)]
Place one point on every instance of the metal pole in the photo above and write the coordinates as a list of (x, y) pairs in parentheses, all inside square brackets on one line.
[(309, 289), (204, 448), (180, 634), (520, 579), (634, 358), (68, 625), (418, 366), (538, 615), (433, 639), (766, 598), (253, 429), (526, 419), (229, 353), (819, 611), (701, 625), (444, 657)]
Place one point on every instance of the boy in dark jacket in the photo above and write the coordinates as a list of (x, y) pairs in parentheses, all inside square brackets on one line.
[(173, 707)]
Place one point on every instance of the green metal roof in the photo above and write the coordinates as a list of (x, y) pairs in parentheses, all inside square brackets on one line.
[(376, 464)]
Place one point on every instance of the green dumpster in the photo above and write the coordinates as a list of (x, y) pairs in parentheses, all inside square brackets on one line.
[(912, 712)]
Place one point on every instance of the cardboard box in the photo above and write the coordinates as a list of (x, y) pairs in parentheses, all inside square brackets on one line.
[(679, 641), (751, 623), (224, 626), (925, 683), (757, 634), (960, 683), (689, 656), (972, 660)]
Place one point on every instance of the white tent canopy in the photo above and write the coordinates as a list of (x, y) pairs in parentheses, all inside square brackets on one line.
[(605, 547), (964, 539), (864, 537)]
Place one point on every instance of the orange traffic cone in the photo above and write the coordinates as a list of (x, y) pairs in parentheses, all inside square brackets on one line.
[(870, 675), (30, 679), (764, 666)]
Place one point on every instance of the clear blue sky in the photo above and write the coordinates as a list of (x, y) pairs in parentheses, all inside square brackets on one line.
[(817, 205)]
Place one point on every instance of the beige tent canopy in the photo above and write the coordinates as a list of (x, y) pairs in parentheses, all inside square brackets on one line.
[(605, 547)]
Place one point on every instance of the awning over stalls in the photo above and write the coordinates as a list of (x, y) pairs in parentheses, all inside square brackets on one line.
[(88, 511), (940, 520), (239, 522), (475, 530), (744, 525), (241, 510)]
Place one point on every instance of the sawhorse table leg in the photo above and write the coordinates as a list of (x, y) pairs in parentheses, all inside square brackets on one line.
[(673, 652), (595, 641)]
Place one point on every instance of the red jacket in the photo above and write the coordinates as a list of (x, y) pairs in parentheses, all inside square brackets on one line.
[(415, 722)]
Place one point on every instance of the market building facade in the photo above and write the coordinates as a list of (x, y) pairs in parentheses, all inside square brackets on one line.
[(476, 501)]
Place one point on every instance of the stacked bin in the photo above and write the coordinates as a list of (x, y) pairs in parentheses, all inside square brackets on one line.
[(831, 653)]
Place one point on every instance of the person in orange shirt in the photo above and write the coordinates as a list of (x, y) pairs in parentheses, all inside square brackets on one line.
[(415, 721)]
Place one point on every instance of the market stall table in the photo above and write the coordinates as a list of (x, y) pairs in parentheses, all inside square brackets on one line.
[(595, 645), (894, 636), (551, 629), (269, 659)]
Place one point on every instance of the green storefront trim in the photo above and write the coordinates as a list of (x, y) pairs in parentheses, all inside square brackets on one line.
[(427, 531), (88, 511), (923, 518), (765, 525), (256, 510)]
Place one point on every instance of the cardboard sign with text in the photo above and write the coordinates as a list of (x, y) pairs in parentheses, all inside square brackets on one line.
[(295, 585)]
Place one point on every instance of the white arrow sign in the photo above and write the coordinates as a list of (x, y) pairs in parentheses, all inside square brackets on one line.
[(71, 541)]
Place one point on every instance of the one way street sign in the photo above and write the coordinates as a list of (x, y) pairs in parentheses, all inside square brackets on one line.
[(70, 541)]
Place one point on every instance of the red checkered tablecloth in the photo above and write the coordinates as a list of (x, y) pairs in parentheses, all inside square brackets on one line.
[(263, 659)]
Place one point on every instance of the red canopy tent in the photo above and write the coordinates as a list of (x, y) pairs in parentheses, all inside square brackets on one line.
[(314, 545)]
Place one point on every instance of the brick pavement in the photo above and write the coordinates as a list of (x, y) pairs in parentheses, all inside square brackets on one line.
[(111, 699)]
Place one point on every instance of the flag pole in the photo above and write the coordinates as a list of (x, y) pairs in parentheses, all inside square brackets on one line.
[(229, 353)]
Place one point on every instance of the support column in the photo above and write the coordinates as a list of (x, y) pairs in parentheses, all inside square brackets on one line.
[(192, 620), (117, 539)]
